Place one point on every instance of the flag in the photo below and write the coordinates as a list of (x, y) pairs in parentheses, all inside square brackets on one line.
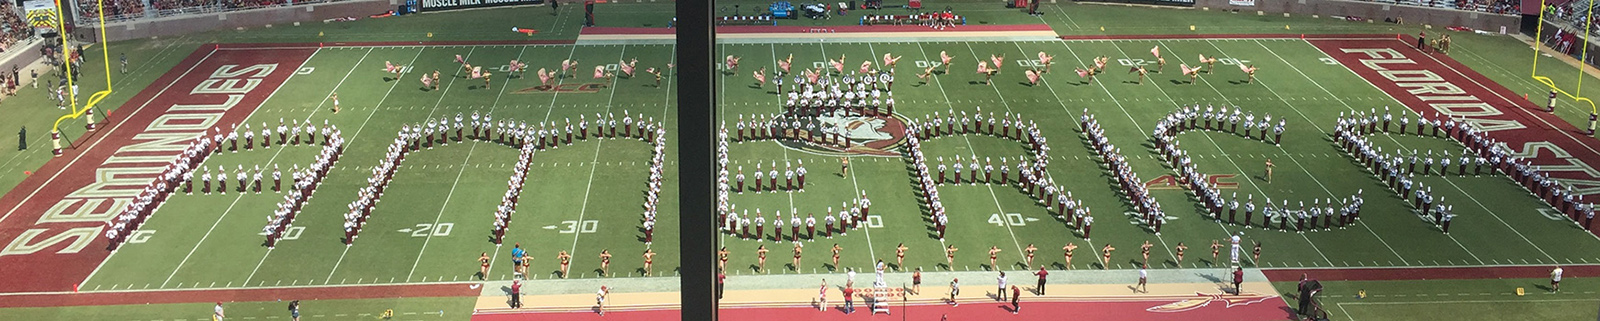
[(1156, 51), (1082, 73), (1186, 70), (760, 77), (1033, 76), (887, 60), (983, 67), (837, 65), (459, 60), (544, 77), (944, 57), (1133, 69), (783, 65), (996, 60), (599, 72), (1246, 69)]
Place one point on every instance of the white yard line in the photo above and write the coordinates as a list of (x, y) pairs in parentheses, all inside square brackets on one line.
[(352, 138), (114, 127), (1229, 158), (1324, 132), (236, 199), (465, 160), (589, 186), (1443, 177), (1069, 112)]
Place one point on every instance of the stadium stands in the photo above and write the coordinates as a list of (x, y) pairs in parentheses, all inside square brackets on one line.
[(119, 10), (12, 28), (1511, 7)]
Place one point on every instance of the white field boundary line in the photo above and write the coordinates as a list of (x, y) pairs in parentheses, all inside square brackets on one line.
[(140, 70), (1466, 301), (446, 203), (1325, 133), (990, 187), (1508, 100), (592, 167), (102, 263), (352, 138), (1063, 104), (236, 199), (91, 146), (241, 287), (1445, 178)]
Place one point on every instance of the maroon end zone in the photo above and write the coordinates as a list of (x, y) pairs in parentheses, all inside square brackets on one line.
[(52, 229), (1435, 85)]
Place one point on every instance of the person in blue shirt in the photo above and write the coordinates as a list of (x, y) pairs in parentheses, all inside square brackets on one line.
[(516, 260)]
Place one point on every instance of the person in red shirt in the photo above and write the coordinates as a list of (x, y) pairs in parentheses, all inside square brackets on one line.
[(721, 277), (1042, 274), (516, 294), (849, 302), (1238, 279), (1016, 297)]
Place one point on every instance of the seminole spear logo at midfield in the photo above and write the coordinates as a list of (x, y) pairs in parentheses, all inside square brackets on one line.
[(1203, 299)]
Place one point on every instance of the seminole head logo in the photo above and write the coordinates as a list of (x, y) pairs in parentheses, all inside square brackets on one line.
[(878, 135), (1201, 300)]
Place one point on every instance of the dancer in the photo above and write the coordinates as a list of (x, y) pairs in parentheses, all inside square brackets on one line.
[(944, 58), (1194, 74)]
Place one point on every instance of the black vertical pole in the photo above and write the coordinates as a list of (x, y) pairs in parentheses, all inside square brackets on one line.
[(696, 158)]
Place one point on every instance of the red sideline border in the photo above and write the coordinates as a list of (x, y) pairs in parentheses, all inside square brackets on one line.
[(1431, 273), (1198, 307), (1234, 36), (806, 29), (386, 43), (238, 295)]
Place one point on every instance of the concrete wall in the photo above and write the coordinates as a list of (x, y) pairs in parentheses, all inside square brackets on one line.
[(254, 18), (1413, 15)]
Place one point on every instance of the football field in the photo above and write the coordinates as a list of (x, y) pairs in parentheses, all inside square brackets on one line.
[(419, 251)]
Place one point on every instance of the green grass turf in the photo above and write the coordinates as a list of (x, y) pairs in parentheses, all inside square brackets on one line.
[(1490, 233), (364, 309), (1486, 299), (214, 238), (1311, 94)]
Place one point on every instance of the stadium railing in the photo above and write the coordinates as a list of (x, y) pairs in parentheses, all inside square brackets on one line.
[(139, 12), (1511, 7)]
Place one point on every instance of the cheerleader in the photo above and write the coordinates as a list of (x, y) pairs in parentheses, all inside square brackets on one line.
[(944, 58), (335, 98), (1046, 60)]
